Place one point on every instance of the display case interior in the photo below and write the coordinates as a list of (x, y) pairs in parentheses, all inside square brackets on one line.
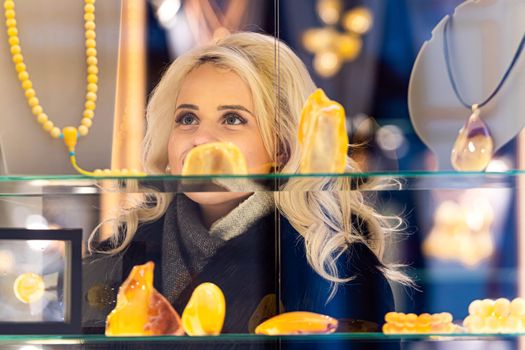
[(403, 172)]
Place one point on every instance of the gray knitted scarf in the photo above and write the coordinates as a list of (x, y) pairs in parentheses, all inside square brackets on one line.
[(187, 245)]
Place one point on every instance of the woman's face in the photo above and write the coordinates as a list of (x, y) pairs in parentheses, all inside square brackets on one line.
[(215, 104)]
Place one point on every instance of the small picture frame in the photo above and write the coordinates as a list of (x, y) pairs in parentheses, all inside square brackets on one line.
[(40, 281)]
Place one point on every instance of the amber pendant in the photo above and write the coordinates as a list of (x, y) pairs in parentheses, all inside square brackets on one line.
[(474, 146)]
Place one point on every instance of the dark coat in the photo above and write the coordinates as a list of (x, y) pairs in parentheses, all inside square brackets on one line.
[(247, 270)]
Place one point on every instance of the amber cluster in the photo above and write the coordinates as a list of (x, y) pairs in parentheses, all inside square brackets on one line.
[(400, 323), (496, 316)]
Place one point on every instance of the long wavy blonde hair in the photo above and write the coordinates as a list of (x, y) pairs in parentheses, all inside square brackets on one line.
[(319, 208)]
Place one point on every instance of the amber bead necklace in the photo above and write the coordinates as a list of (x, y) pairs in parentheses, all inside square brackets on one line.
[(69, 134)]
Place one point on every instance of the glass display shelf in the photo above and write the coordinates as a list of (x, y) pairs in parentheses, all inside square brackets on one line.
[(371, 181), (249, 338)]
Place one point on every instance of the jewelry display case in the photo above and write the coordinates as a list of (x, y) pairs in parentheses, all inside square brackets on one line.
[(452, 249), (441, 286)]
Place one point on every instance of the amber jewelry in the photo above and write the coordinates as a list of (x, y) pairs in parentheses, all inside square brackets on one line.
[(472, 150), (69, 134)]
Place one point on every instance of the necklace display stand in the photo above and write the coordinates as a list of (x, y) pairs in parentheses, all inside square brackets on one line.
[(483, 40), (52, 38)]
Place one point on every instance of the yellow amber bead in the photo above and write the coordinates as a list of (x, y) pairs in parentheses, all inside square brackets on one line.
[(124, 172), (89, 17), (487, 307), (9, 4), (12, 31), (92, 69), (476, 324), (30, 93), (90, 2), (42, 118), (33, 101), (92, 61), (14, 40), (18, 58), (82, 130), (10, 22), (20, 67), (48, 125), (37, 110), (86, 122), (511, 324), (517, 307), (92, 88), (91, 96), (91, 52), (475, 307), (91, 44), (55, 132), (9, 14), (90, 105), (446, 317), (205, 311), (23, 76), (88, 113), (107, 172), (492, 324), (90, 25), (70, 137), (97, 172), (27, 84), (391, 317), (90, 34), (89, 8), (15, 49), (92, 79), (502, 307)]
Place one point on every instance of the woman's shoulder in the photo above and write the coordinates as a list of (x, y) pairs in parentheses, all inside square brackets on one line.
[(366, 296)]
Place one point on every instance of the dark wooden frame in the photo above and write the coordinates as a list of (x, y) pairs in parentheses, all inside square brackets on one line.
[(72, 282)]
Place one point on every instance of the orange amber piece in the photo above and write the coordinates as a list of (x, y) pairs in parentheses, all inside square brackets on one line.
[(140, 309), (298, 322), (204, 314), (215, 158), (322, 135)]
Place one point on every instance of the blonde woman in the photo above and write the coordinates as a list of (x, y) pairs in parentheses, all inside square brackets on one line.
[(332, 241)]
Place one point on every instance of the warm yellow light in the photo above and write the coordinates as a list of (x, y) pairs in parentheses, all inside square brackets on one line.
[(319, 39), (329, 11), (349, 46), (327, 63), (359, 20)]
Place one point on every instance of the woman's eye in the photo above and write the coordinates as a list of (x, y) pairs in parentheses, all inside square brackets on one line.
[(234, 119), (187, 119)]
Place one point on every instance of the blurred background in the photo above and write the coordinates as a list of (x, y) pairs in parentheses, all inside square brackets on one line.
[(459, 244)]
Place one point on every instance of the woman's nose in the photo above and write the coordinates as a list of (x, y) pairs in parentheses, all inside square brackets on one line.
[(204, 135)]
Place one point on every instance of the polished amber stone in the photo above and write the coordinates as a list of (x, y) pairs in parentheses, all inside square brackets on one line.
[(322, 135), (474, 146)]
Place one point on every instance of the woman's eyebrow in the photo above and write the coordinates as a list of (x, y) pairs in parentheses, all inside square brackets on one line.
[(239, 107), (187, 106)]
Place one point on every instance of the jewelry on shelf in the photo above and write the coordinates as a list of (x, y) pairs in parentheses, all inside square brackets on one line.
[(473, 148), (69, 134)]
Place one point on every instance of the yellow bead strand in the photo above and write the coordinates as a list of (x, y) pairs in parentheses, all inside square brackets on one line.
[(69, 134), (24, 77)]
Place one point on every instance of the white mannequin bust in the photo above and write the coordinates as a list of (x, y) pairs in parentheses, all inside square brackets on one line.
[(483, 40), (52, 39)]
